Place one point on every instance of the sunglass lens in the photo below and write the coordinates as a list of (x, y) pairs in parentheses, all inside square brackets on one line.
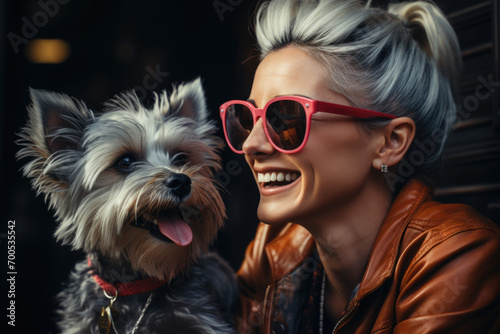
[(286, 124), (239, 124)]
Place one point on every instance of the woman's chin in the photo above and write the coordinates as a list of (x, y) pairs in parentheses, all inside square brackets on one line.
[(272, 214)]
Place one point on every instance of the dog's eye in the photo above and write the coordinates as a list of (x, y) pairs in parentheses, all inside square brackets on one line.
[(179, 159), (124, 164)]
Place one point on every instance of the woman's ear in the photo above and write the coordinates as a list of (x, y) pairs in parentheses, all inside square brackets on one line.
[(397, 137)]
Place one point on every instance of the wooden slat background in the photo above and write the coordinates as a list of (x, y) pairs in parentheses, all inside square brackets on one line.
[(471, 172)]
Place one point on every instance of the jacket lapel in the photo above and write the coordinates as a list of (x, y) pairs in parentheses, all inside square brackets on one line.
[(385, 249)]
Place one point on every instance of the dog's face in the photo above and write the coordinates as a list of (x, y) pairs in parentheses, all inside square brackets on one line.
[(132, 184)]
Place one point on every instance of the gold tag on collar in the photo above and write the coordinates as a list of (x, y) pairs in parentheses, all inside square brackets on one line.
[(103, 322), (107, 317), (113, 314)]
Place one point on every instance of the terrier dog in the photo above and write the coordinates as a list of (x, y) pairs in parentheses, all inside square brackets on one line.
[(133, 188)]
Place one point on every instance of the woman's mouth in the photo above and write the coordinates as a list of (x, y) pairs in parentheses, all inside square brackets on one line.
[(277, 179)]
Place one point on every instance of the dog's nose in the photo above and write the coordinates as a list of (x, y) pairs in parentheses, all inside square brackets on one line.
[(179, 184)]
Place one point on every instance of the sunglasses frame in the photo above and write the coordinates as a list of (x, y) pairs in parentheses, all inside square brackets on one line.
[(310, 107)]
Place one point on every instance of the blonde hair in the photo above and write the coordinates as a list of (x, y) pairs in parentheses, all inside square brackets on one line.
[(403, 61)]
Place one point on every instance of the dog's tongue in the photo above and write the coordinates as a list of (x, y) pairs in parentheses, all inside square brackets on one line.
[(173, 227)]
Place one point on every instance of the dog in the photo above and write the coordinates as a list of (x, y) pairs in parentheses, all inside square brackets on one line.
[(133, 187)]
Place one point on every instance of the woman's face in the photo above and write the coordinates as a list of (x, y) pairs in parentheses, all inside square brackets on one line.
[(332, 168)]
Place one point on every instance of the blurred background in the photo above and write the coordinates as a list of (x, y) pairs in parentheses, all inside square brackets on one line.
[(92, 50)]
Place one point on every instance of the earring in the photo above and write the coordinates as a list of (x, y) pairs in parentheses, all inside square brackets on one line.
[(383, 168)]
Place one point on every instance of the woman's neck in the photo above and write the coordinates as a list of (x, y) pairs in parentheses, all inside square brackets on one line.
[(344, 237)]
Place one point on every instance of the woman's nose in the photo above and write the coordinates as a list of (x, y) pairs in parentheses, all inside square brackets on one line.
[(257, 141)]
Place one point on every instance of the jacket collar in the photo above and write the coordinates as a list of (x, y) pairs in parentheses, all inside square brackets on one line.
[(300, 243), (384, 252)]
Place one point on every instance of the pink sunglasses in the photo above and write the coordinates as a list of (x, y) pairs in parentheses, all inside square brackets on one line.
[(287, 120)]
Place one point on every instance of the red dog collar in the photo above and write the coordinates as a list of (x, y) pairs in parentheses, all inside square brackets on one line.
[(127, 288)]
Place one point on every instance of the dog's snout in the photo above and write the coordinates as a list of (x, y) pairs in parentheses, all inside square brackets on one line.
[(179, 184)]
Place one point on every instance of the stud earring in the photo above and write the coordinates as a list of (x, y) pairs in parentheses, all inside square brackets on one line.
[(383, 168)]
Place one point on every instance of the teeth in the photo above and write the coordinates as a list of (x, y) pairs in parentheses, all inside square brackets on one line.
[(260, 177), (276, 176), (155, 221)]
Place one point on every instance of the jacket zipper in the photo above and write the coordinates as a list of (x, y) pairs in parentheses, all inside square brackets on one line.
[(342, 319), (265, 299), (264, 309)]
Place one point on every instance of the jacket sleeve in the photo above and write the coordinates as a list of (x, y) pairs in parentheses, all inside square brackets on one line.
[(452, 285)]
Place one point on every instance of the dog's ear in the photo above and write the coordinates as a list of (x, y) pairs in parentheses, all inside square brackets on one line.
[(52, 138), (59, 119), (188, 100)]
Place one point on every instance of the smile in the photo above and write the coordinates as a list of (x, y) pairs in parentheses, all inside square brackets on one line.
[(277, 179)]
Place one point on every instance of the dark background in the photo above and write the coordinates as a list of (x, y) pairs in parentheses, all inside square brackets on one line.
[(112, 45)]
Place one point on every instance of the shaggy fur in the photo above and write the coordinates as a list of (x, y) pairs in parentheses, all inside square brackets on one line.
[(110, 178)]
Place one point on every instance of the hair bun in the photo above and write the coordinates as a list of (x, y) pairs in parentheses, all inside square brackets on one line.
[(434, 34)]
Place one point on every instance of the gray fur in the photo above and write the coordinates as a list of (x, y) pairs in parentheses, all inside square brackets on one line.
[(199, 301), (74, 160)]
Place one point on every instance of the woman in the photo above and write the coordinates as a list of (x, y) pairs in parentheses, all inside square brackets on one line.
[(344, 126)]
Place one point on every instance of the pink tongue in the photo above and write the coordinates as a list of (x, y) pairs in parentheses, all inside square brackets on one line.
[(173, 227)]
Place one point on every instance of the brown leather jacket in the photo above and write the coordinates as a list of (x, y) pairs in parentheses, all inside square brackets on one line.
[(433, 268)]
